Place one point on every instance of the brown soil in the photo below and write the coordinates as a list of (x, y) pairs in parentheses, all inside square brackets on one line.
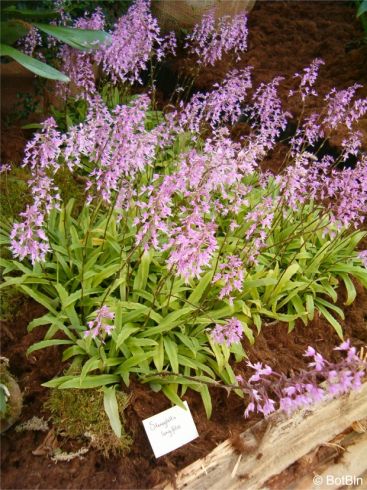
[(284, 37)]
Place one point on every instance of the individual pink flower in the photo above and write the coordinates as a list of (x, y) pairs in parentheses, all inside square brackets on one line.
[(101, 324), (230, 333)]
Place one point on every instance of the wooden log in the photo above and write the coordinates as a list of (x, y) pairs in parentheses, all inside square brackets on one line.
[(346, 472), (271, 445), (334, 464)]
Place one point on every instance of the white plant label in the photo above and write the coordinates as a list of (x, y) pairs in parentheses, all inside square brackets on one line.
[(170, 429)]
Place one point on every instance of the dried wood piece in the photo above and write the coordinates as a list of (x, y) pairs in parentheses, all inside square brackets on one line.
[(279, 442), (348, 471)]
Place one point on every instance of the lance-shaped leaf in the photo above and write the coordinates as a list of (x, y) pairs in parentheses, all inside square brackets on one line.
[(112, 409), (82, 39), (33, 65)]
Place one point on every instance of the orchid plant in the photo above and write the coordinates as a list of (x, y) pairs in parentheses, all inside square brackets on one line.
[(184, 245)]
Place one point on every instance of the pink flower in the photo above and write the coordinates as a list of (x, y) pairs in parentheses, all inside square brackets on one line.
[(100, 324), (308, 78), (230, 333), (231, 273), (28, 240), (209, 39)]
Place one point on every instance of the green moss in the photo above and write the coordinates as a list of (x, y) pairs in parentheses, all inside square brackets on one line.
[(11, 302), (14, 192), (71, 187), (11, 398), (80, 414)]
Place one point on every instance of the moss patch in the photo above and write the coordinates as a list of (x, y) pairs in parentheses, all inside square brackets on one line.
[(12, 399), (80, 414), (14, 192)]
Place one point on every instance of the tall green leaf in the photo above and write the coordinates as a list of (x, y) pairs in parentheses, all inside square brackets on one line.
[(82, 39), (33, 65), (112, 409)]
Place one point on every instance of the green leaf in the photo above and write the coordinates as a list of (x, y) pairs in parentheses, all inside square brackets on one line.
[(133, 361), (169, 322), (33, 13), (257, 321), (195, 364), (338, 328), (56, 382), (74, 350), (4, 393), (351, 290), (362, 9), (107, 272), (89, 382), (82, 39), (12, 30), (141, 277), (67, 305), (42, 320), (125, 333), (282, 317), (310, 306), (207, 400), (112, 409), (199, 290), (217, 351), (257, 283), (330, 306), (158, 356), (92, 364), (33, 65), (298, 306), (32, 126), (172, 353), (248, 332), (171, 393), (285, 278), (47, 343)]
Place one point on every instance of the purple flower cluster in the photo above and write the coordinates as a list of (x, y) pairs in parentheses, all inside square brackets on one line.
[(307, 134), (178, 209), (100, 324), (342, 193), (363, 256), (79, 65), (192, 245), (230, 333), (260, 220), (220, 106), (28, 238), (31, 41), (231, 275), (308, 79), (266, 113), (267, 389), (209, 39), (184, 210), (342, 110), (118, 145), (134, 40), (5, 167)]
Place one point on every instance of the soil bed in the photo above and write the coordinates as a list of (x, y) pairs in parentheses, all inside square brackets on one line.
[(283, 38)]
